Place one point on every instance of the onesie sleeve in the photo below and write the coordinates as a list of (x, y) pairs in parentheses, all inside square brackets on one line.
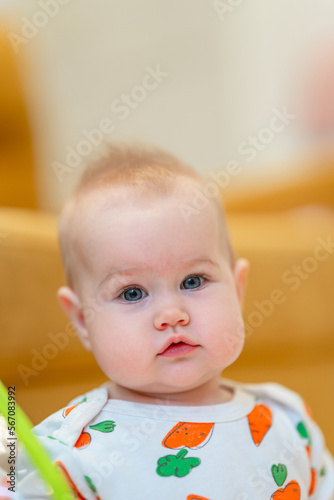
[(59, 434), (308, 435), (321, 461), (30, 486)]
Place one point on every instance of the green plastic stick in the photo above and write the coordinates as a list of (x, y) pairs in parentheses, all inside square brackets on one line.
[(35, 450)]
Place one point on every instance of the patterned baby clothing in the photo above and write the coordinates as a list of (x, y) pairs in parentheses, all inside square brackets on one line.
[(263, 444)]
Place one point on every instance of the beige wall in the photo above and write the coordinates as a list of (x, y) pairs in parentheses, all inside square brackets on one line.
[(228, 67)]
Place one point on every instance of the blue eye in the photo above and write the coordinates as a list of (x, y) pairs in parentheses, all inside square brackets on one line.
[(133, 294), (192, 282)]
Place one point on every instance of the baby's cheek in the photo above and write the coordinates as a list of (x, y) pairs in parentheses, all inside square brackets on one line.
[(229, 334), (111, 361), (103, 351), (234, 341)]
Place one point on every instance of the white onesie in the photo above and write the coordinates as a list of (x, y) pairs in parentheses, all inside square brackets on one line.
[(263, 444)]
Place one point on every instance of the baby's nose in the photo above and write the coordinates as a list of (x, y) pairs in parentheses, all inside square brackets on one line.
[(171, 316)]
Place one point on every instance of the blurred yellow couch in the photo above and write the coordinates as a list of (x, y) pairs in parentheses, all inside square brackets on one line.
[(16, 160), (289, 310)]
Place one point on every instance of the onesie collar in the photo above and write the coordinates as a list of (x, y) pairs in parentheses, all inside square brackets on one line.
[(238, 407)]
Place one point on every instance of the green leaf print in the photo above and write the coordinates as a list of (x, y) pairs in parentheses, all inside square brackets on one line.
[(279, 473), (55, 439), (176, 465), (91, 484), (105, 426), (303, 432)]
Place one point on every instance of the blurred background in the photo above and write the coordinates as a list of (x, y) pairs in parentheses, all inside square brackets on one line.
[(223, 69), (243, 91)]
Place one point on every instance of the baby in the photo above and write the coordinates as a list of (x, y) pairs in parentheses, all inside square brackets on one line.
[(155, 292)]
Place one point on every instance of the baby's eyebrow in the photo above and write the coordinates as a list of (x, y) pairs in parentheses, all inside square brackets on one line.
[(119, 274), (134, 270), (200, 261)]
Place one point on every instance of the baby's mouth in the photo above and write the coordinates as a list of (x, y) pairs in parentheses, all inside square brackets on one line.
[(177, 349)]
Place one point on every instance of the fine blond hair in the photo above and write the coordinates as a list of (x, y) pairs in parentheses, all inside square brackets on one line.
[(151, 172)]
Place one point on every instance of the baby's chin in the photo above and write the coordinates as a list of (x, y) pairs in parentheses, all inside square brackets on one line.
[(185, 392)]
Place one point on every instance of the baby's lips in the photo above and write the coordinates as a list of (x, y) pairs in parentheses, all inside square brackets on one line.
[(176, 339)]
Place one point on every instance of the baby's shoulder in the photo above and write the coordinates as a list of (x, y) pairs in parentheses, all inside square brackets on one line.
[(284, 403), (278, 395), (290, 415), (66, 424), (293, 435)]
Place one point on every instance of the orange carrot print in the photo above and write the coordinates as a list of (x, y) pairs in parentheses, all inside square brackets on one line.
[(308, 409), (83, 440), (196, 497), (68, 410), (188, 435), (308, 451), (68, 478), (313, 481), (290, 492), (259, 420)]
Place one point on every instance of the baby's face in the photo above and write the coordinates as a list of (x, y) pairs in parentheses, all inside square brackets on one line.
[(159, 296)]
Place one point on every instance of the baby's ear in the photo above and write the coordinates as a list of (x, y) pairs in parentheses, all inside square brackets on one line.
[(71, 304), (240, 272)]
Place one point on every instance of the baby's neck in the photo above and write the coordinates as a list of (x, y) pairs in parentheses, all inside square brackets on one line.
[(211, 393)]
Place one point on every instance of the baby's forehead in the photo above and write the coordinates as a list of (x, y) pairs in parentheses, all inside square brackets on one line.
[(132, 212), (183, 195), (116, 206)]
